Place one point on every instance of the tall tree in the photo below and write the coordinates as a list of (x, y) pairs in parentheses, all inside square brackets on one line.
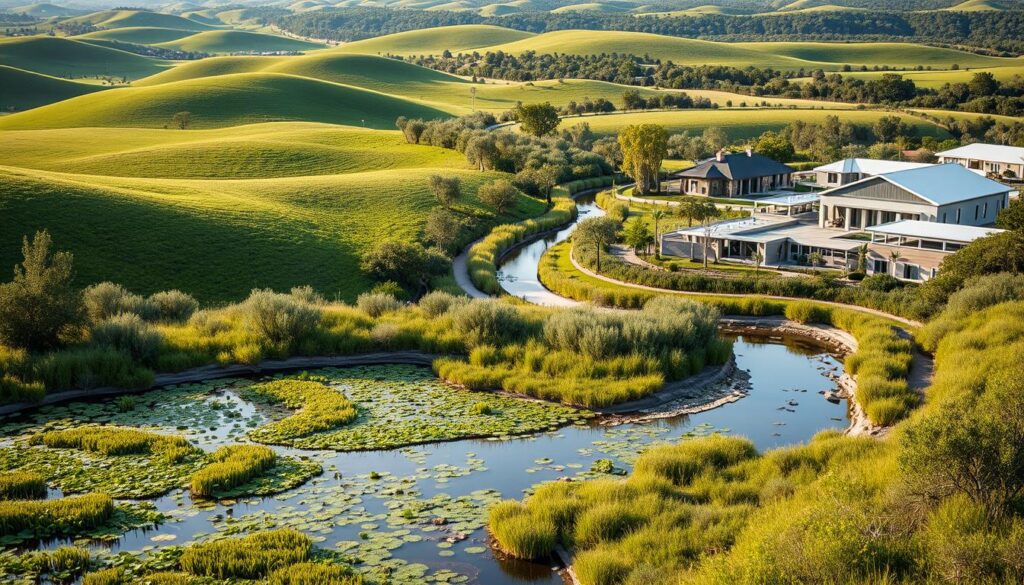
[(537, 119), (597, 232), (644, 147), (447, 190)]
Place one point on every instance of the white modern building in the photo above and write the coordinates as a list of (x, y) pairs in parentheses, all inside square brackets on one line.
[(850, 170), (1005, 162), (904, 223), (947, 193)]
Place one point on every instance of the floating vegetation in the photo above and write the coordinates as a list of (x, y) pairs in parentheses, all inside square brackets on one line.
[(323, 408), (406, 405), (114, 441), (61, 565), (25, 519), (251, 557)]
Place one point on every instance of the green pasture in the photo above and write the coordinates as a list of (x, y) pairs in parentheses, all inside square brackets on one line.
[(21, 90), (121, 18), (63, 57), (433, 41), (237, 41), (140, 35)]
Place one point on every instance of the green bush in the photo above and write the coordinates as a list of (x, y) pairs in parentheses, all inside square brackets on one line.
[(128, 333), (107, 300), (278, 319), (22, 485), (233, 466), (376, 304), (174, 306), (489, 322), (437, 303), (14, 390), (251, 557)]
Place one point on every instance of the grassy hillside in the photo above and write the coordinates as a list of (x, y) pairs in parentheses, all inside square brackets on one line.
[(140, 35), (237, 41), (978, 6), (603, 7), (227, 100), (436, 40), (43, 10), (871, 54), (69, 58), (21, 90), (218, 239), (134, 18), (284, 149), (935, 79), (740, 123)]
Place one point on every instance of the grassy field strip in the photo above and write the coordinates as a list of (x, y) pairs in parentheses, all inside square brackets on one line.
[(217, 239), (63, 57), (936, 79), (256, 151), (436, 40)]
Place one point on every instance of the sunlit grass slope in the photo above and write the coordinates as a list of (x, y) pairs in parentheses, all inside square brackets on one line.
[(210, 67), (742, 123), (140, 35), (21, 90), (979, 6), (433, 41), (226, 100), (132, 18), (604, 7), (43, 10), (66, 58), (237, 41), (935, 79), (218, 239), (283, 149), (871, 54)]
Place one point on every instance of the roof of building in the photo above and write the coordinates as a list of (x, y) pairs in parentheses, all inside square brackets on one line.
[(869, 166), (987, 152), (737, 166), (788, 200), (770, 228), (930, 230), (936, 184)]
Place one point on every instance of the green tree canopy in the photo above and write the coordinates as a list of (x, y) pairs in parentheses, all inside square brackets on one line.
[(537, 119), (644, 147)]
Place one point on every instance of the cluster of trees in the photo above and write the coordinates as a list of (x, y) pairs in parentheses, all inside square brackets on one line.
[(983, 93), (632, 100), (997, 30)]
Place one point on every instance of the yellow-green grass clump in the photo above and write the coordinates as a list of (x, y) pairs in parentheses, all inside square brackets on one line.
[(22, 485), (63, 57), (320, 408), (276, 233), (251, 557), (44, 518), (237, 41), (227, 100), (114, 441), (314, 574), (22, 90), (233, 466)]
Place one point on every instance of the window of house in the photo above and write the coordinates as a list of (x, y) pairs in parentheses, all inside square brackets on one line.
[(977, 211), (958, 215), (833, 177), (985, 215), (943, 217), (880, 267)]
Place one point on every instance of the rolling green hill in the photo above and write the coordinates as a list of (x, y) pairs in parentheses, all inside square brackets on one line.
[(603, 7), (282, 149), (227, 100), (237, 41), (979, 6), (742, 123), (140, 35), (935, 79), (435, 40), (499, 10), (871, 54), (218, 239), (44, 10), (21, 90), (136, 18), (70, 58)]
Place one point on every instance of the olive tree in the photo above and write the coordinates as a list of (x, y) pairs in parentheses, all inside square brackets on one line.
[(598, 232)]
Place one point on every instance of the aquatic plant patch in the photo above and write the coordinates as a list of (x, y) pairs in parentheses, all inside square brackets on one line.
[(250, 470), (22, 485), (322, 408), (250, 557), (407, 405)]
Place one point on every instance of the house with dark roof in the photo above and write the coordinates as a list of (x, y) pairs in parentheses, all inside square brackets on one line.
[(735, 175)]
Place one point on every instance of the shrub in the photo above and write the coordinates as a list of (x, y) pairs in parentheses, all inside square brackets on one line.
[(376, 304), (251, 557), (807, 312), (48, 518), (233, 466), (106, 299), (128, 333), (39, 306), (306, 294), (173, 306), (278, 319), (22, 485), (13, 390), (314, 574), (499, 194), (437, 303), (489, 322)]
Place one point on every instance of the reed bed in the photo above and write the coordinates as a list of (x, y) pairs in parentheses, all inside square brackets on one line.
[(321, 407), (233, 466), (254, 556), (45, 518), (22, 485), (113, 441)]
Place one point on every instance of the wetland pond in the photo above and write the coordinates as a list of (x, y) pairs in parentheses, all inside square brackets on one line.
[(417, 513)]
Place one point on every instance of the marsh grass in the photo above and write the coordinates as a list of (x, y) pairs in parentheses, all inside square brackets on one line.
[(113, 441), (22, 485), (314, 574), (321, 408), (250, 557), (232, 466), (65, 516)]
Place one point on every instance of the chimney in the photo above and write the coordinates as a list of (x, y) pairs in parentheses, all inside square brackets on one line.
[(750, 151), (720, 155)]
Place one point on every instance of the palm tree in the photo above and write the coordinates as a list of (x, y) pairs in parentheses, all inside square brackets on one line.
[(894, 256), (657, 215)]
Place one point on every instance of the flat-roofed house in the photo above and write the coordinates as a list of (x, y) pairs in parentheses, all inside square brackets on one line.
[(848, 170), (994, 159), (735, 175), (947, 193)]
